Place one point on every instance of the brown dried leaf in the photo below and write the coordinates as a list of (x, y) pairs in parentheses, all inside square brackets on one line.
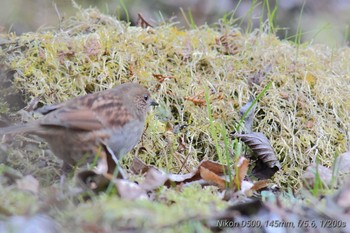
[(161, 78), (212, 166), (154, 178), (207, 172), (243, 164), (197, 100), (260, 145), (138, 166), (210, 176), (260, 184)]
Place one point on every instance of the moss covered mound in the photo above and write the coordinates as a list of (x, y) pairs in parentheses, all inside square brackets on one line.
[(305, 113)]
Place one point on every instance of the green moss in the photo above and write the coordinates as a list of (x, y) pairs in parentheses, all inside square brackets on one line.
[(174, 207), (17, 202)]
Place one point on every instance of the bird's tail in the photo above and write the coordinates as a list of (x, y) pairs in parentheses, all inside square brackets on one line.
[(16, 129)]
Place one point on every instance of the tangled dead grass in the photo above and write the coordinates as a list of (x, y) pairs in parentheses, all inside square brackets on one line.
[(305, 113)]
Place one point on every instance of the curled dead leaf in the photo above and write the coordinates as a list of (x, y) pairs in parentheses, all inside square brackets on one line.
[(138, 166), (210, 176), (260, 184), (267, 163), (154, 178), (129, 190), (243, 164)]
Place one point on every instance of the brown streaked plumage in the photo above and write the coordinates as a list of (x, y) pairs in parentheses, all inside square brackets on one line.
[(75, 129)]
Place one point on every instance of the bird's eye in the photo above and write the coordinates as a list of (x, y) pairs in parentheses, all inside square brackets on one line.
[(145, 97)]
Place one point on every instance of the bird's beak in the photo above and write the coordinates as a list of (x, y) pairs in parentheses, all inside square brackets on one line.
[(154, 103)]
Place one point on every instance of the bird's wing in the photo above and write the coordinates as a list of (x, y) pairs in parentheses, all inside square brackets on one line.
[(91, 112)]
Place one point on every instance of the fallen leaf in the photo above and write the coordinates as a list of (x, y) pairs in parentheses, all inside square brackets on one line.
[(138, 166), (208, 172), (261, 171), (161, 78), (243, 164), (129, 190), (343, 163), (260, 184), (310, 174), (212, 166), (260, 145), (154, 178), (196, 100), (210, 176)]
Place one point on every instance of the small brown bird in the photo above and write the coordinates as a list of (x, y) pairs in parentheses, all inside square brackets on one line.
[(76, 129)]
